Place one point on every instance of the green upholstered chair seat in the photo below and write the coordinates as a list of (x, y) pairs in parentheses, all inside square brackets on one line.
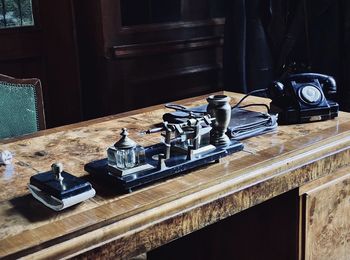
[(19, 112)]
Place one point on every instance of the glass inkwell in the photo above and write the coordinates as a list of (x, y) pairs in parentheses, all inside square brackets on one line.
[(126, 156)]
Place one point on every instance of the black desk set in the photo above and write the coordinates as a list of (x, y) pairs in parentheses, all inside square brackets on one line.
[(192, 138), (198, 139)]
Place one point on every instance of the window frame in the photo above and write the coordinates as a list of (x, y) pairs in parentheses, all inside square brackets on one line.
[(26, 28)]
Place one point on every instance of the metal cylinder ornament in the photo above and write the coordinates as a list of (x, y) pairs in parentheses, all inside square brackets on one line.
[(219, 108)]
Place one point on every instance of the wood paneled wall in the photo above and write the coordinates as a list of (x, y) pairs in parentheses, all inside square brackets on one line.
[(128, 67), (47, 51), (90, 64)]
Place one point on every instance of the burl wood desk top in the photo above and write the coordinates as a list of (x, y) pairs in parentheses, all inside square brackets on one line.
[(130, 224)]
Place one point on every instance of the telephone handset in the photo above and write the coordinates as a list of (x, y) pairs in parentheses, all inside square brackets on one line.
[(302, 98)]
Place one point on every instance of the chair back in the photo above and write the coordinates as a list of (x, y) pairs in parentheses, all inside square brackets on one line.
[(21, 106)]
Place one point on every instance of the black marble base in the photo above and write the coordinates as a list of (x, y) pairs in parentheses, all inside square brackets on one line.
[(177, 163)]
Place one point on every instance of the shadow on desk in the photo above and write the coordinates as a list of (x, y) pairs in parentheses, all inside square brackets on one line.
[(104, 189), (33, 210)]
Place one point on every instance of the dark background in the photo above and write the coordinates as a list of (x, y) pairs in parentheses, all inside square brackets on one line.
[(265, 39), (99, 57)]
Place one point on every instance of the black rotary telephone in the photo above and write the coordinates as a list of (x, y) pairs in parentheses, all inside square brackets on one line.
[(302, 98)]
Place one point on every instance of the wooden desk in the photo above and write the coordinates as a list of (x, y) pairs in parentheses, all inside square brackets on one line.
[(112, 225)]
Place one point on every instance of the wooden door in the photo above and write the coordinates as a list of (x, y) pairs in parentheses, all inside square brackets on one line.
[(137, 53), (43, 46), (325, 221)]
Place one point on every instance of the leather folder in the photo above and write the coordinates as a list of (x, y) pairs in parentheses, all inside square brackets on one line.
[(243, 124)]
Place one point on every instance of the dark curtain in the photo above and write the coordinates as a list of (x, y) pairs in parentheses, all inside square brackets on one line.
[(267, 39)]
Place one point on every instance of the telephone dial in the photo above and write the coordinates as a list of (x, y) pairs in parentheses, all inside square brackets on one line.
[(302, 98)]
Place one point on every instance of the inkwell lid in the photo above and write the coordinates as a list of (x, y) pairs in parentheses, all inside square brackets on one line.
[(125, 142)]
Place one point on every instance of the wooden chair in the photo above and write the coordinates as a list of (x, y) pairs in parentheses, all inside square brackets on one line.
[(21, 106)]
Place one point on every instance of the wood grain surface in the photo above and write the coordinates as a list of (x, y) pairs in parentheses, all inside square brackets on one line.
[(326, 218), (125, 225)]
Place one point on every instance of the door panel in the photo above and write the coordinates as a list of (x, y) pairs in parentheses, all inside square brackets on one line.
[(47, 50), (326, 219)]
